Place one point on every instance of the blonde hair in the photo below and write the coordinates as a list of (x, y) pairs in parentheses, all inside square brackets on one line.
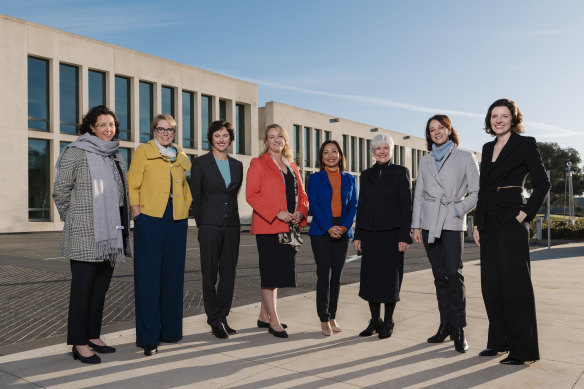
[(162, 116), (286, 152)]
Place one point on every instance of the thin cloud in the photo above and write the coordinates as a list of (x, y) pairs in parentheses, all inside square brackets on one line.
[(545, 130)]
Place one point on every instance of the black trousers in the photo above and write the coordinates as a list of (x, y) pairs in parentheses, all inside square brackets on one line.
[(507, 289), (329, 255), (445, 256), (89, 284), (219, 254)]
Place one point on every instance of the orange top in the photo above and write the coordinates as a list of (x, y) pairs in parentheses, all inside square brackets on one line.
[(335, 180)]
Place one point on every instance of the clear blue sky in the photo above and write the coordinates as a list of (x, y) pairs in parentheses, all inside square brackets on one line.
[(387, 63)]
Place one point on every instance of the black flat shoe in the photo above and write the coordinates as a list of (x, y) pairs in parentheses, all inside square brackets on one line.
[(101, 349), (442, 333), (373, 327), (93, 360), (220, 332), (150, 350), (491, 352), (265, 324), (511, 361), (230, 331), (460, 343), (277, 334), (385, 330)]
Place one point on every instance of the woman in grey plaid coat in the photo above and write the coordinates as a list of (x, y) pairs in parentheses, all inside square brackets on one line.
[(91, 194)]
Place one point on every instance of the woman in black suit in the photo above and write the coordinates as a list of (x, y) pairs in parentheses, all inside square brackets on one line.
[(215, 183), (502, 232), (384, 214)]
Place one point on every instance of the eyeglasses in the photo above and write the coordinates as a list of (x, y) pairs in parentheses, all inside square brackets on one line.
[(106, 125), (162, 130)]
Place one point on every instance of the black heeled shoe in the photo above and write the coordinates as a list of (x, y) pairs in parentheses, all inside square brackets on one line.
[(93, 360), (220, 332), (277, 334), (511, 361), (101, 349), (265, 324), (373, 327), (442, 333), (491, 352), (150, 350), (230, 331), (460, 343), (385, 330)]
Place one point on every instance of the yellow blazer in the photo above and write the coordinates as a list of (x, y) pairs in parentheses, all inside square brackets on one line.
[(149, 182)]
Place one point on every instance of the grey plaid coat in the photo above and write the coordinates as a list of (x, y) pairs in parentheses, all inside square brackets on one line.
[(73, 197)]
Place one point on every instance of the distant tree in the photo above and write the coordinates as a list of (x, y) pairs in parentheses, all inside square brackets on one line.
[(555, 159)]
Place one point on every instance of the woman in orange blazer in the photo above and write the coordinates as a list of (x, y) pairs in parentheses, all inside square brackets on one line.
[(280, 205)]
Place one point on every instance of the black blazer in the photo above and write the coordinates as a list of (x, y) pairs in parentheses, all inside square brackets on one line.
[(213, 204), (385, 201), (519, 156)]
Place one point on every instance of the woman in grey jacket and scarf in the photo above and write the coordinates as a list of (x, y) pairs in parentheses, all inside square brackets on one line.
[(91, 194), (446, 190)]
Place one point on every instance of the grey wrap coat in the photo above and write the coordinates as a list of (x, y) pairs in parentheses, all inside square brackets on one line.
[(442, 194)]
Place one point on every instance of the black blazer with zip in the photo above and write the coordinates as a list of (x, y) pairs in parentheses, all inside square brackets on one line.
[(501, 185), (213, 203)]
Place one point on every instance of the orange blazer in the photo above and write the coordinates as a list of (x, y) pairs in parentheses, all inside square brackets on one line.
[(266, 193)]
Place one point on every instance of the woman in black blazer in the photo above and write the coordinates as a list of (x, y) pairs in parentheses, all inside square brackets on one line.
[(215, 182), (502, 232), (384, 214)]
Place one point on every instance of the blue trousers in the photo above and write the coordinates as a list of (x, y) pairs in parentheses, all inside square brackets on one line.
[(159, 267)]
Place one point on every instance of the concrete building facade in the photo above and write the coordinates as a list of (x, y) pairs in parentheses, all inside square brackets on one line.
[(50, 79)]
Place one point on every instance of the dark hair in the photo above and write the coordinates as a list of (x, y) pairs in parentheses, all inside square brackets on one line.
[(445, 121), (90, 119), (217, 126), (342, 161), (516, 116)]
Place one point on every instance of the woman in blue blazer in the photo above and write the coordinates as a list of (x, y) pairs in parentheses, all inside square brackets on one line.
[(332, 195)]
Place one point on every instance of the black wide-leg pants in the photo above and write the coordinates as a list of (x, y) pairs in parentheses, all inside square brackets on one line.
[(330, 255), (219, 253), (507, 289), (445, 256), (89, 284)]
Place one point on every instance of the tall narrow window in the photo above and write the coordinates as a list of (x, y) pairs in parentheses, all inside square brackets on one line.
[(368, 153), (127, 156), (307, 148), (38, 180), (167, 95), (38, 94), (188, 120), (62, 146), (395, 157), (361, 154), (123, 107), (222, 110), (146, 110), (69, 97), (240, 129), (206, 115), (414, 163), (346, 148), (297, 144), (327, 135), (96, 82), (317, 142), (353, 153)]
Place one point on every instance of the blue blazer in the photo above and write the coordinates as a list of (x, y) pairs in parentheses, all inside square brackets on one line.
[(320, 193)]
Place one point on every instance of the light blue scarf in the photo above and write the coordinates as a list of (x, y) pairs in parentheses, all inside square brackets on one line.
[(438, 152)]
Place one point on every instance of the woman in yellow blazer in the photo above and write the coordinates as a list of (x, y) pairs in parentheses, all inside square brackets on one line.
[(159, 199)]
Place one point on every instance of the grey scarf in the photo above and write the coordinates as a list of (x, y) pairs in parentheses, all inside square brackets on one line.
[(109, 243)]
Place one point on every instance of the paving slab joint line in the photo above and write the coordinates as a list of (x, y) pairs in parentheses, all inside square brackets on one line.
[(20, 378)]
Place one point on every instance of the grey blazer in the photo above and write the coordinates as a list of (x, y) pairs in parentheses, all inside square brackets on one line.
[(73, 197), (443, 194)]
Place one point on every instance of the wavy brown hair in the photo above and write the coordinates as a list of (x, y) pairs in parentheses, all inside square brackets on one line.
[(445, 121), (91, 116), (516, 116)]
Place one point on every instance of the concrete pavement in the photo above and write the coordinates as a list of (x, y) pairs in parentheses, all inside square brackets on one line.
[(255, 359)]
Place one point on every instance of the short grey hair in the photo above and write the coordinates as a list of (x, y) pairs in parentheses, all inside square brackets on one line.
[(380, 140)]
